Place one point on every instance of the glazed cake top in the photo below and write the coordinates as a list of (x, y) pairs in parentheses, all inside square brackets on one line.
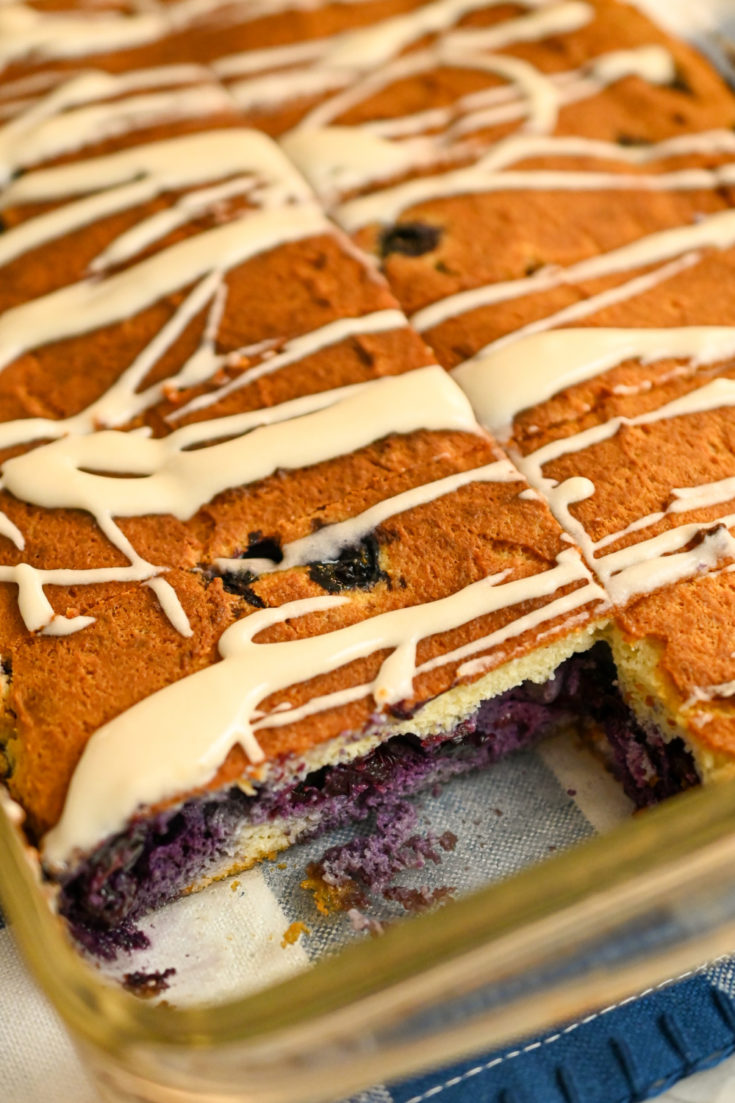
[(198, 366)]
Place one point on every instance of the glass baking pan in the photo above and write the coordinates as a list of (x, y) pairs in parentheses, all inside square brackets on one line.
[(645, 901), (603, 920)]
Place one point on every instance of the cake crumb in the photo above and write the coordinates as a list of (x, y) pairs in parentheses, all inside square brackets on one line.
[(330, 898), (234, 885), (147, 985), (361, 922), (293, 933), (418, 899)]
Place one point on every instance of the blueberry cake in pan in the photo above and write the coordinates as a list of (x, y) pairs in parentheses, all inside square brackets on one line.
[(264, 562)]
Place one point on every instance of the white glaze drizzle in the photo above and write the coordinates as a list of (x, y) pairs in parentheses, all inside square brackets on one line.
[(566, 572), (88, 305), (709, 693), (122, 180), (65, 120), (329, 541), (298, 348), (371, 47), (341, 59), (65, 626), (535, 368), (683, 500), (716, 231), (386, 206), (568, 315), (27, 33), (271, 57), (214, 707), (653, 64), (502, 383), (657, 566), (353, 157), (304, 431), (171, 605), (504, 104), (453, 49), (335, 161), (560, 607), (122, 402), (35, 608)]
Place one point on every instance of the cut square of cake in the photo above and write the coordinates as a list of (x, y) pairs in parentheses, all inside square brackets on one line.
[(649, 409)]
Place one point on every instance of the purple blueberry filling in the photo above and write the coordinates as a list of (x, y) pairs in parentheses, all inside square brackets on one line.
[(154, 859), (649, 768), (368, 864)]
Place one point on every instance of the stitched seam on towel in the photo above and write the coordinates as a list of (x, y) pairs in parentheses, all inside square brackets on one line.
[(477, 1069)]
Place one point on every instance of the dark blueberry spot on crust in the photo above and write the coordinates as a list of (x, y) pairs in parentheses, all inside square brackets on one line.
[(147, 985), (240, 583), (357, 568), (632, 140), (680, 83), (412, 239), (263, 547)]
